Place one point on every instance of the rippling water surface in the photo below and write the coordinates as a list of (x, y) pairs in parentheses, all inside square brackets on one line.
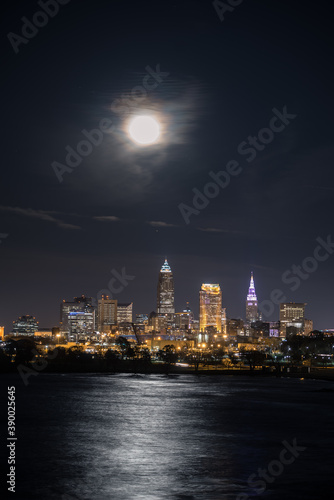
[(120, 437)]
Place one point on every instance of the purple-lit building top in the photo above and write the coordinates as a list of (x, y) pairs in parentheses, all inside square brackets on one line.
[(251, 303)]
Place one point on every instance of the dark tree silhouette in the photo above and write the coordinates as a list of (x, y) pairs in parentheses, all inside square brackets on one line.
[(168, 355), (253, 358)]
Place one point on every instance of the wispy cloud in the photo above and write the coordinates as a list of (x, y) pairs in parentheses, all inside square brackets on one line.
[(38, 214), (159, 223), (218, 230), (107, 218)]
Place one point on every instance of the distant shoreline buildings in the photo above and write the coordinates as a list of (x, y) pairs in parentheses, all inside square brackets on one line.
[(83, 319)]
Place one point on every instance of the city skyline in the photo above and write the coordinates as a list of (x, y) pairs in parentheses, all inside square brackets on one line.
[(107, 307)]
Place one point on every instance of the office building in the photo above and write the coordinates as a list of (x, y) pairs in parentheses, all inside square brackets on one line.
[(106, 314), (292, 318), (142, 319), (235, 328), (44, 332), (158, 322), (224, 321), (260, 329), (184, 319), (308, 326), (124, 312), (210, 308), (25, 325), (274, 329), (251, 303), (77, 318), (165, 292)]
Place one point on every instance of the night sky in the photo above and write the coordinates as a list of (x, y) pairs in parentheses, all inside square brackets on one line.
[(119, 208)]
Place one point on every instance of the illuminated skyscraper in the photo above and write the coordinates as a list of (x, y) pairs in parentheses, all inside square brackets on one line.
[(25, 325), (184, 319), (224, 321), (210, 307), (165, 296), (124, 312), (77, 318), (292, 317), (251, 303), (107, 314)]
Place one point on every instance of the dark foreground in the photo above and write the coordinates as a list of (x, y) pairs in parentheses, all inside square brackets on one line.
[(151, 437)]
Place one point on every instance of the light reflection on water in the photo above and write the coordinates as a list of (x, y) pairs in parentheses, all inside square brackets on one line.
[(181, 438)]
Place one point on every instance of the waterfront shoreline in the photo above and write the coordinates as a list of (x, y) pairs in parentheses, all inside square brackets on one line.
[(325, 374)]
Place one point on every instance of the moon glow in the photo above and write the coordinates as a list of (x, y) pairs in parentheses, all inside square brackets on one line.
[(144, 130)]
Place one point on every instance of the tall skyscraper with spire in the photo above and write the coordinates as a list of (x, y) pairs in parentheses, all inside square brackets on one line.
[(251, 303), (165, 295)]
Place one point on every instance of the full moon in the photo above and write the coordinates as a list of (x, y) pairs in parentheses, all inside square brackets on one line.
[(144, 130)]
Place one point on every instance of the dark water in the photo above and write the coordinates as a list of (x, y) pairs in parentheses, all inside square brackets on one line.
[(119, 437)]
